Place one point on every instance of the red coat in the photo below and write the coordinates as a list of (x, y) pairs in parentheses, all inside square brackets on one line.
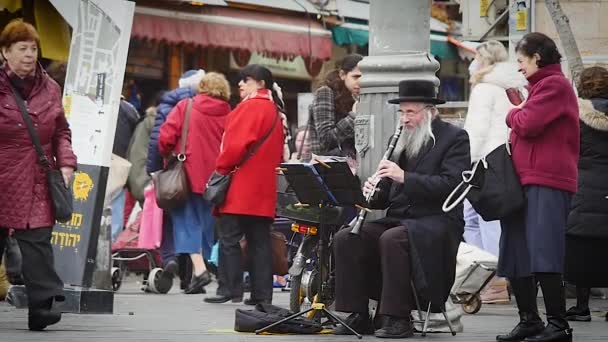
[(545, 132), (24, 195), (253, 190), (207, 121)]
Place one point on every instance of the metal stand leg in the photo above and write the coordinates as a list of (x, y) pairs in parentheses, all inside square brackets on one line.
[(426, 320), (417, 301), (445, 315)]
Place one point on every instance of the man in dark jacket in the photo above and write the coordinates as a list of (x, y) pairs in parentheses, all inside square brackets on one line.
[(416, 242), (128, 117), (188, 87)]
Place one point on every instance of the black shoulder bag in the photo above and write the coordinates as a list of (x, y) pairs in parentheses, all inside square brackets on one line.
[(492, 186), (61, 195), (218, 184)]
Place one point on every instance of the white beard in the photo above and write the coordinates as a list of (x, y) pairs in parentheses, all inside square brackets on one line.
[(413, 140)]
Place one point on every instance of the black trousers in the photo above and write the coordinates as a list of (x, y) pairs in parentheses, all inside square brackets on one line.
[(374, 265), (256, 229), (37, 267)]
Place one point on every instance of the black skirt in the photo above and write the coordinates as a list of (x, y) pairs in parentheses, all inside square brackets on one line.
[(586, 261)]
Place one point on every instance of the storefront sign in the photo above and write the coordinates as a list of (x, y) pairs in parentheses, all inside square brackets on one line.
[(294, 69)]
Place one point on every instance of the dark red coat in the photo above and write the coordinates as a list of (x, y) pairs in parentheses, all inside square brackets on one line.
[(207, 121), (545, 132), (253, 190), (24, 195)]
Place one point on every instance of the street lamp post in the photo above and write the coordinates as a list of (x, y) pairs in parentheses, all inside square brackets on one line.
[(399, 45)]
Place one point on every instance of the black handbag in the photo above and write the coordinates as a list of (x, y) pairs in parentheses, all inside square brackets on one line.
[(218, 184), (492, 186), (171, 185), (61, 195)]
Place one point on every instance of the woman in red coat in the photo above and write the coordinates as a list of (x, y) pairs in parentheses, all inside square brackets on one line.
[(545, 145), (25, 203), (250, 203), (193, 224)]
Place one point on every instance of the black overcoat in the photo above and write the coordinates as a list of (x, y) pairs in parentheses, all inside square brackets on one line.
[(589, 215), (434, 235)]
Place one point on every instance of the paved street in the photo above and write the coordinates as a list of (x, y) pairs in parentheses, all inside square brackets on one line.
[(178, 317)]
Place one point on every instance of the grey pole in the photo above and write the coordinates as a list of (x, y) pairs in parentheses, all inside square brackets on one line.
[(399, 45)]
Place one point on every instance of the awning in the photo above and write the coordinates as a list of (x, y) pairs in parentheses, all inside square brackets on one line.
[(350, 33), (279, 36), (54, 32), (11, 5)]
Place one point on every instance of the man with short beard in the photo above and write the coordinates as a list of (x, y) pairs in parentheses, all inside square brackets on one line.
[(416, 241)]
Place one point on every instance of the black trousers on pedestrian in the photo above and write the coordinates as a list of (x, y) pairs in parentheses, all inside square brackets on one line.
[(256, 229), (374, 265), (37, 267)]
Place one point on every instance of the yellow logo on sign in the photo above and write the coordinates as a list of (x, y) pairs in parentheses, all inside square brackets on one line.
[(83, 184)]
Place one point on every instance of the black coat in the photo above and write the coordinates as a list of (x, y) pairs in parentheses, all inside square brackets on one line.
[(128, 117), (589, 214), (434, 235)]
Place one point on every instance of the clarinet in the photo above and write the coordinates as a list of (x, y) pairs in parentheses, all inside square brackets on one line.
[(387, 154)]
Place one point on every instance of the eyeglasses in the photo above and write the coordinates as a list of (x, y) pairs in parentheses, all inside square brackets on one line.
[(411, 114)]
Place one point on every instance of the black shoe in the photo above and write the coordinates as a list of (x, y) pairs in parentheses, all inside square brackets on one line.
[(15, 278), (580, 315), (219, 299), (251, 301), (40, 316), (529, 325), (198, 283), (171, 267), (557, 329), (360, 322), (395, 327)]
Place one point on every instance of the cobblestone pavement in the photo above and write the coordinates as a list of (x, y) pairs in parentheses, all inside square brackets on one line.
[(178, 317)]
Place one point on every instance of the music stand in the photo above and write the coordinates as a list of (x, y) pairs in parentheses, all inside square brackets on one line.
[(323, 184)]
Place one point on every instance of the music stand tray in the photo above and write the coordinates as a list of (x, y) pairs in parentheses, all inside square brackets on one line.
[(329, 183)]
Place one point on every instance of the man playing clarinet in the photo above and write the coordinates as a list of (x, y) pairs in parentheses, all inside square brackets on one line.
[(416, 242)]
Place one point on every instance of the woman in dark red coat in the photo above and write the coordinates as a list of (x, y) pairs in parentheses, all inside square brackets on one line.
[(25, 203), (250, 203), (545, 145), (193, 224)]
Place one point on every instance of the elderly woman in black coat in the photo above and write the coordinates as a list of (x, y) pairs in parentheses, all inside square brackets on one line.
[(587, 229)]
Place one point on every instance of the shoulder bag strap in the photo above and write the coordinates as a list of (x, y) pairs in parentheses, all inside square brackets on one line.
[(182, 150), (259, 143), (42, 159)]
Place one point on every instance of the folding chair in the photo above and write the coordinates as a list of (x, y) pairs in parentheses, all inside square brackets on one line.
[(428, 314)]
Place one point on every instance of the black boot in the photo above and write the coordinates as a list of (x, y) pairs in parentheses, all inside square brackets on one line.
[(557, 330), (40, 315), (555, 302), (396, 327), (580, 312), (360, 322), (529, 325)]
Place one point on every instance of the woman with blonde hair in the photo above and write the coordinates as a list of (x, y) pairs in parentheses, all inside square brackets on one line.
[(193, 222), (485, 123)]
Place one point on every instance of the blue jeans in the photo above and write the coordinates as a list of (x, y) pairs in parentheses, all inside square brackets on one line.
[(118, 213), (480, 233), (193, 227)]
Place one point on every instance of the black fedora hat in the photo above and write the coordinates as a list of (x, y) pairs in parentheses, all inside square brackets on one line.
[(417, 91)]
